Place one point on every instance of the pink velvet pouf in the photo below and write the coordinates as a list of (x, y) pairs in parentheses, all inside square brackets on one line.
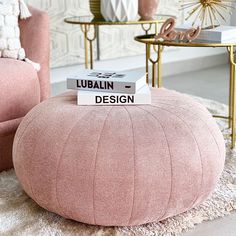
[(119, 166)]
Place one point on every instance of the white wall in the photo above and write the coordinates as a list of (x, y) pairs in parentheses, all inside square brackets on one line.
[(67, 41), (233, 18)]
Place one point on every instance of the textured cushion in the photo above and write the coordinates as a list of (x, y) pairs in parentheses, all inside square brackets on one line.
[(119, 165), (36, 42), (20, 89), (10, 45)]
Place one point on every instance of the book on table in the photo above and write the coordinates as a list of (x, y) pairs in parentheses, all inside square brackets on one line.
[(141, 97), (107, 81), (219, 34), (110, 88)]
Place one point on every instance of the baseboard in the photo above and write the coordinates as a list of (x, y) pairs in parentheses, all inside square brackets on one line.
[(175, 62)]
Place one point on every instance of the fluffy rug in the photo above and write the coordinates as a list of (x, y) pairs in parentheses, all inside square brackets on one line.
[(19, 215)]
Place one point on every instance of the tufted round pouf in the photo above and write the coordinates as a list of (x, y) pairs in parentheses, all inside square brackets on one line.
[(119, 166)]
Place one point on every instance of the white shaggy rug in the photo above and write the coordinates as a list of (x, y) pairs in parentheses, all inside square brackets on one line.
[(19, 215)]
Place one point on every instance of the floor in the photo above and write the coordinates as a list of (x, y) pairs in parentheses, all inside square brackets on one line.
[(221, 227), (212, 84)]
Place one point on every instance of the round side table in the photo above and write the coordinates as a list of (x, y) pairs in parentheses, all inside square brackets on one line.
[(149, 41), (90, 28)]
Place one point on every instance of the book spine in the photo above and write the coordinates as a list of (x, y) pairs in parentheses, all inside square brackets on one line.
[(101, 86), (211, 36), (99, 99), (216, 36)]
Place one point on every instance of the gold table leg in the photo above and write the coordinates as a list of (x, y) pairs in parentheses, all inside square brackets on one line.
[(148, 55), (231, 92), (156, 75), (147, 63), (233, 109), (154, 69), (88, 44), (146, 30), (232, 97), (160, 49), (156, 28)]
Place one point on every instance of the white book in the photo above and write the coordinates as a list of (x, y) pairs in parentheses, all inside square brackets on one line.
[(107, 81), (217, 34), (143, 96)]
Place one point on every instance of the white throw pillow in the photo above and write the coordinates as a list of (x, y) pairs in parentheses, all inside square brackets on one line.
[(10, 45)]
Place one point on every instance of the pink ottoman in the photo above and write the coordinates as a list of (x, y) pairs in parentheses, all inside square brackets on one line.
[(119, 166)]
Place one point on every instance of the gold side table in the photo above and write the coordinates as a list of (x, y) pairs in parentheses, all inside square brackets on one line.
[(90, 29), (158, 47)]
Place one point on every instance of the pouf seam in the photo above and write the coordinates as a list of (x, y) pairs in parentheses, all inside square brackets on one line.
[(200, 155), (190, 104), (18, 141), (200, 119), (171, 161), (134, 176), (34, 149), (95, 165), (58, 165), (194, 137), (200, 108)]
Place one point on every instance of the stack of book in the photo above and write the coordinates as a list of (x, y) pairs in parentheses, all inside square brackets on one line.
[(220, 34), (110, 88)]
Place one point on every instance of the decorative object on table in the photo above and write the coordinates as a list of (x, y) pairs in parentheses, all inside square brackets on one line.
[(168, 32), (10, 45), (207, 12), (119, 10), (21, 88), (119, 165), (148, 8), (218, 34), (109, 87), (95, 8)]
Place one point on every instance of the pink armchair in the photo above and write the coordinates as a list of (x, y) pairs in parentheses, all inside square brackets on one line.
[(21, 87)]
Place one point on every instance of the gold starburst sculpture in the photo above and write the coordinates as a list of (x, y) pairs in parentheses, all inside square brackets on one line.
[(209, 12)]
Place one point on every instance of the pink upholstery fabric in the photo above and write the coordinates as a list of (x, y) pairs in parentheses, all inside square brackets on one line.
[(119, 165), (21, 88), (36, 42), (7, 134)]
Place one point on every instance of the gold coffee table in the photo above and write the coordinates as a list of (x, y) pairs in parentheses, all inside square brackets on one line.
[(90, 28), (158, 46)]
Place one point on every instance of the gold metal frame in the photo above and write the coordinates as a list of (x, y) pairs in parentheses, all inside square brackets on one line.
[(88, 44), (149, 40), (89, 20), (232, 94)]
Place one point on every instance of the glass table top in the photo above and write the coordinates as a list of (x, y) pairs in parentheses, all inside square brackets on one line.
[(150, 39), (90, 20)]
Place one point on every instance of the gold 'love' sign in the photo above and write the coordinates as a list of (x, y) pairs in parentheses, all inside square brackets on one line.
[(169, 33)]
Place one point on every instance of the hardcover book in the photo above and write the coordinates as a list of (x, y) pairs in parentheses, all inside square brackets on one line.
[(107, 81), (143, 96), (218, 34)]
